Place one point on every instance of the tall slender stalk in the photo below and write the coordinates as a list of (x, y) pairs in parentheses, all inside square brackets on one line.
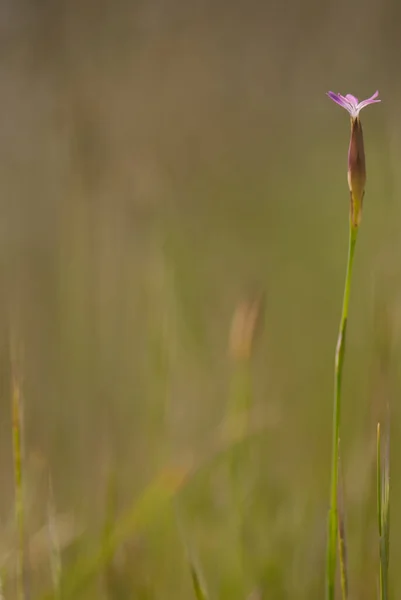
[(237, 424), (379, 506), (18, 488), (338, 371), (55, 553), (342, 541), (356, 176), (383, 511), (243, 333)]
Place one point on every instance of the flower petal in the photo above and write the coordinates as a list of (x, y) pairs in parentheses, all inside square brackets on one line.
[(372, 100), (352, 99), (342, 101)]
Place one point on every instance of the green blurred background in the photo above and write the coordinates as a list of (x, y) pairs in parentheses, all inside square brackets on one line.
[(160, 160)]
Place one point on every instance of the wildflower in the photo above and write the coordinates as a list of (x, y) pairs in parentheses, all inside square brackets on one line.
[(356, 152)]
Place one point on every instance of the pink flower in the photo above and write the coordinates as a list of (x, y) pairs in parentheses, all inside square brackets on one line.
[(356, 151), (351, 103)]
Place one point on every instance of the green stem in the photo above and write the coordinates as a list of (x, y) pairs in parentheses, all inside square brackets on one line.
[(342, 542), (338, 371)]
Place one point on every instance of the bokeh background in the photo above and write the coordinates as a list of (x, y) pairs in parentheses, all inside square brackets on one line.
[(162, 161)]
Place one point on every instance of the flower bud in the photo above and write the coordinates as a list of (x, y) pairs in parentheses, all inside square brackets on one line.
[(356, 171)]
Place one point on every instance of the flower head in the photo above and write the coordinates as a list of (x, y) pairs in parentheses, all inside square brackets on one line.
[(351, 103), (356, 151)]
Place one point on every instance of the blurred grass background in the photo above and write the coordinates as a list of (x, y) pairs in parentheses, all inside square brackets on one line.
[(160, 161)]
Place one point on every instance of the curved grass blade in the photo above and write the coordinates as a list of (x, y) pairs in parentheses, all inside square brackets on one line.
[(155, 497), (200, 593), (198, 587)]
